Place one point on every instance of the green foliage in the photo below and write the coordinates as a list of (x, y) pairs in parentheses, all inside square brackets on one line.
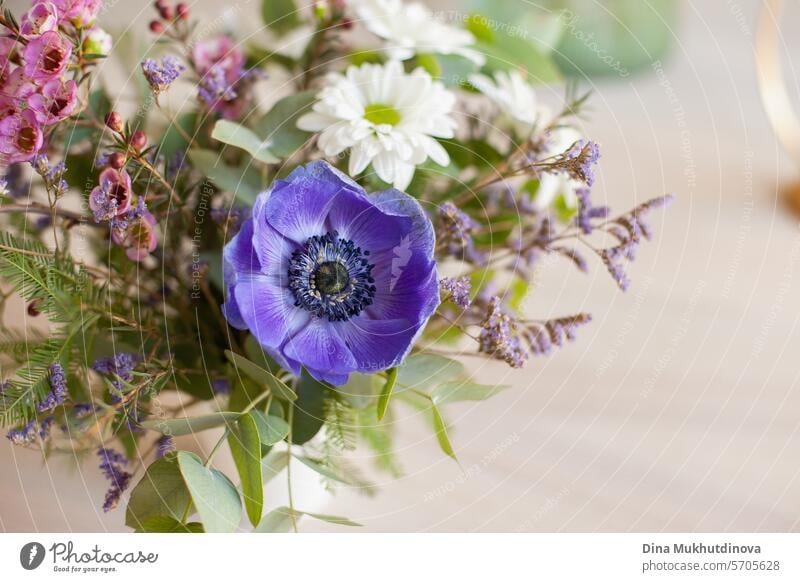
[(271, 429), (281, 16), (64, 293), (160, 493), (386, 392), (243, 181), (309, 410), (261, 376), (440, 427), (279, 126), (165, 524), (214, 496), (245, 444), (281, 520), (241, 137)]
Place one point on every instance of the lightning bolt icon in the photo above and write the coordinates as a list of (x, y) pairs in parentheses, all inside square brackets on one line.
[(34, 551)]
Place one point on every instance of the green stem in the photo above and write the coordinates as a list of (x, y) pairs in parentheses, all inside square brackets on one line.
[(290, 417)]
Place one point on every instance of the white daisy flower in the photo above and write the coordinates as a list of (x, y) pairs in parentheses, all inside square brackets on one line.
[(412, 28), (509, 90), (386, 117)]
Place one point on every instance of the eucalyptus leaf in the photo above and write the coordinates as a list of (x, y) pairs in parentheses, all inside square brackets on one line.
[(243, 182), (241, 137), (245, 444), (386, 393), (318, 467), (214, 496), (280, 15), (271, 429), (463, 391), (182, 426), (309, 409), (441, 433), (160, 492), (279, 126), (166, 524), (425, 371), (261, 376), (280, 520)]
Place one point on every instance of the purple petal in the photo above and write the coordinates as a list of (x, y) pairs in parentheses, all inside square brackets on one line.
[(319, 347), (298, 210), (406, 288), (358, 220), (377, 344), (399, 203), (268, 310)]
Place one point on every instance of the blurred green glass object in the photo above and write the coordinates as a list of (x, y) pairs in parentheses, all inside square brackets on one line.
[(609, 37)]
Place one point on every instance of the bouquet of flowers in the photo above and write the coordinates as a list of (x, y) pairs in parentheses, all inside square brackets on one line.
[(313, 238)]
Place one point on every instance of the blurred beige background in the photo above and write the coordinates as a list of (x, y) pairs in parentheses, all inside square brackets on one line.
[(677, 409)]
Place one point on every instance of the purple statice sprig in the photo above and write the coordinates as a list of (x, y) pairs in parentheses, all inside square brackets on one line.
[(161, 74), (457, 290), (215, 88), (58, 389), (24, 435), (499, 337), (542, 336), (52, 175), (588, 214), (577, 162), (629, 230), (119, 367), (456, 232), (164, 446), (112, 466)]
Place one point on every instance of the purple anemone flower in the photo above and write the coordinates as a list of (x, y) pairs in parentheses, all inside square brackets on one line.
[(330, 279)]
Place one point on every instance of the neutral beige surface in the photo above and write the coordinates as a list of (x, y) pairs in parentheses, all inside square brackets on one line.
[(677, 409)]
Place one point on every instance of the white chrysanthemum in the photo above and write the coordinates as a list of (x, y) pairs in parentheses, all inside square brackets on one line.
[(412, 28), (515, 96), (386, 117)]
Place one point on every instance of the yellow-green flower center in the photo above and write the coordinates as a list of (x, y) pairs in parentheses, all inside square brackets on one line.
[(381, 114)]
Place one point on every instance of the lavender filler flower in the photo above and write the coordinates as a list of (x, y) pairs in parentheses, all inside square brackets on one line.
[(161, 74), (329, 279), (58, 389), (111, 464)]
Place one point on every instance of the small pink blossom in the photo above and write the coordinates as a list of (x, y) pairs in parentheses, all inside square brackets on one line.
[(82, 13), (19, 88), (220, 52), (56, 101), (139, 238), (46, 56), (20, 136), (112, 198), (41, 18)]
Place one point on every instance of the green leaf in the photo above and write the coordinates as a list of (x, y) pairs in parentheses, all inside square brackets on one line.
[(182, 426), (271, 429), (166, 524), (460, 391), (243, 182), (261, 376), (361, 389), (422, 371), (441, 433), (214, 496), (241, 137), (280, 520), (279, 126), (318, 467), (386, 392), (173, 139), (245, 445), (280, 15), (309, 410), (160, 492)]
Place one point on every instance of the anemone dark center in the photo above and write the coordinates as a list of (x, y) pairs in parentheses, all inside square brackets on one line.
[(331, 277)]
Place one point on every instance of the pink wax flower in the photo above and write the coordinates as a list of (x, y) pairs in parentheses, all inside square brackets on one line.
[(112, 198), (139, 238), (19, 88), (56, 101), (41, 18), (20, 136), (46, 56), (81, 13), (219, 52)]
